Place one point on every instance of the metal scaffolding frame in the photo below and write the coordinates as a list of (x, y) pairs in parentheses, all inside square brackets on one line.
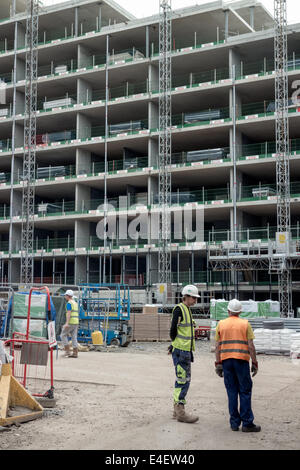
[(282, 151), (165, 123), (32, 8), (279, 260)]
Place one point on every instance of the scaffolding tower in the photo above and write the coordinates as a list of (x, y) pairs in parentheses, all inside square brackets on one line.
[(165, 123), (32, 9), (282, 156), (281, 257)]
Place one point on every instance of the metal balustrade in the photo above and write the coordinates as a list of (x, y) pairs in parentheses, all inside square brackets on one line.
[(251, 233)]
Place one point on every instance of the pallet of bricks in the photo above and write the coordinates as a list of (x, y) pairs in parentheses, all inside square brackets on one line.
[(150, 325)]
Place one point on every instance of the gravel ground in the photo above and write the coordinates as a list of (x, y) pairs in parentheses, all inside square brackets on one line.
[(121, 399)]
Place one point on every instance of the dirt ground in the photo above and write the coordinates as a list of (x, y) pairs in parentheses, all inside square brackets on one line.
[(122, 400)]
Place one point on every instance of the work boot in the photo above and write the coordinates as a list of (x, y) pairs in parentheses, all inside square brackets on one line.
[(251, 428), (174, 411), (75, 352), (182, 416), (67, 351)]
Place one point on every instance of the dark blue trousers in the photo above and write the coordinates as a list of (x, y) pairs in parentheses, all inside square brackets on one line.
[(182, 362), (238, 385)]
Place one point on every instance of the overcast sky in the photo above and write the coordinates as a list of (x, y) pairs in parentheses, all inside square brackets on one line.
[(142, 8)]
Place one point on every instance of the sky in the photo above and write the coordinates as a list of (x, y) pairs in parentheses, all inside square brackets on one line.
[(140, 8)]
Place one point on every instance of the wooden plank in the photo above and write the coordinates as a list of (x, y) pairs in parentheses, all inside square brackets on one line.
[(21, 418), (12, 393), (4, 395), (20, 396)]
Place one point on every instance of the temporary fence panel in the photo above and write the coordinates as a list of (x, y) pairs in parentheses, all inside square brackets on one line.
[(32, 364)]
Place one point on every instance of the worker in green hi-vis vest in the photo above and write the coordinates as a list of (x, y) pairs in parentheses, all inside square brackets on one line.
[(183, 344), (70, 328)]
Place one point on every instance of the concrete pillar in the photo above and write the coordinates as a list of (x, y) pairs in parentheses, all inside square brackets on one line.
[(21, 34), (16, 203), (83, 127), (239, 183), (84, 91), (18, 169), (153, 77), (100, 17), (234, 59), (147, 42), (76, 22), (226, 28), (20, 102), (19, 136), (15, 270), (153, 267), (153, 115), (152, 188), (238, 142), (82, 234), (80, 269), (83, 162), (239, 221), (252, 9), (20, 69), (16, 231), (84, 56), (82, 196), (153, 152)]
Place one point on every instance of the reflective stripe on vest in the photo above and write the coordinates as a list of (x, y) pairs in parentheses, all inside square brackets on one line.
[(233, 339), (74, 319), (185, 339)]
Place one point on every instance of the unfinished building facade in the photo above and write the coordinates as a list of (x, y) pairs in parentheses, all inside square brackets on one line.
[(97, 141)]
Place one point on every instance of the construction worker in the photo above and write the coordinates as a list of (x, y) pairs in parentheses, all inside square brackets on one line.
[(183, 344), (234, 347), (70, 328)]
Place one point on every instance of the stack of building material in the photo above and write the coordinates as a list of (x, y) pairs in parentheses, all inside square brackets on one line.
[(61, 69), (250, 309), (295, 345), (164, 325), (285, 339), (58, 103), (150, 326), (276, 341)]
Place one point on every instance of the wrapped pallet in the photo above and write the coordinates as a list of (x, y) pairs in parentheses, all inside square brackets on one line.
[(251, 309), (150, 326)]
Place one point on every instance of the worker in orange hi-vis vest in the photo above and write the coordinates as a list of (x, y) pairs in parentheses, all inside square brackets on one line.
[(234, 348)]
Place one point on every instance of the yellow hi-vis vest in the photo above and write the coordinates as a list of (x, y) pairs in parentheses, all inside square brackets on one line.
[(185, 339), (74, 317)]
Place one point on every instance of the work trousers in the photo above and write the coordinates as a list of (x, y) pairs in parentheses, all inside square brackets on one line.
[(238, 385), (71, 330), (182, 362)]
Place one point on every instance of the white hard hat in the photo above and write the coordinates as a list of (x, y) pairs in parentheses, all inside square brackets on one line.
[(190, 290), (69, 292), (235, 306)]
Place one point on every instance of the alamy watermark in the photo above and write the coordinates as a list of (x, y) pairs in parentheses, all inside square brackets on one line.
[(185, 223)]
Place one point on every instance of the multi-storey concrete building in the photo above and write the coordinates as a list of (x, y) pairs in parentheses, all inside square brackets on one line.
[(222, 53)]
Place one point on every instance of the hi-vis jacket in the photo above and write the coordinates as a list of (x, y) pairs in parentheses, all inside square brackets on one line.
[(233, 339), (185, 339), (74, 318)]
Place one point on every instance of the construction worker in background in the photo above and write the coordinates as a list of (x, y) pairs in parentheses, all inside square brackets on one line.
[(183, 344), (234, 347), (70, 328)]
